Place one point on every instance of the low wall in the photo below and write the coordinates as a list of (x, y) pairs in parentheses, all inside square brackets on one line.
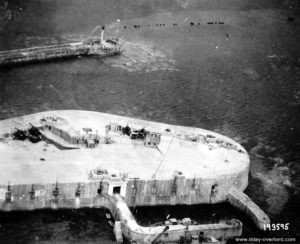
[(241, 201)]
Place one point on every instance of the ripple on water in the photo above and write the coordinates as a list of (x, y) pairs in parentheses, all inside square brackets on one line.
[(141, 56), (270, 169)]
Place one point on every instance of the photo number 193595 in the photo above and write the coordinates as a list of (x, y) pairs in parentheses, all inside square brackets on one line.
[(276, 227)]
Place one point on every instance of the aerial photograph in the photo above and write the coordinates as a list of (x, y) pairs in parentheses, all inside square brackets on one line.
[(150, 121)]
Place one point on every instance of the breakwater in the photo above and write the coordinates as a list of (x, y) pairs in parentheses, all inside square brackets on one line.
[(99, 48)]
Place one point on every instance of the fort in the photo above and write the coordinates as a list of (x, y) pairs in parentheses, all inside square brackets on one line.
[(91, 159)]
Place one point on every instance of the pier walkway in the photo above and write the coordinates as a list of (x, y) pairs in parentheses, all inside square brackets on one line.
[(135, 233)]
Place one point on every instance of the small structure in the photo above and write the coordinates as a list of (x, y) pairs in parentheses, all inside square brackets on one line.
[(117, 186), (114, 127), (99, 174), (61, 128), (152, 139), (90, 143), (186, 221)]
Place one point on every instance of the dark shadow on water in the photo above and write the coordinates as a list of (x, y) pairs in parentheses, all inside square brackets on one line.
[(91, 224), (84, 225), (203, 214)]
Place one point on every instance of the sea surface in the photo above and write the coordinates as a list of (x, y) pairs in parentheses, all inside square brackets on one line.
[(240, 79)]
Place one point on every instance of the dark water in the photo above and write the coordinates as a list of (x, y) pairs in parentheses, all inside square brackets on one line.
[(56, 226), (245, 85)]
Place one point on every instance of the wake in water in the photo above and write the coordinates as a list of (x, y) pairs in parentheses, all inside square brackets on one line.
[(139, 56)]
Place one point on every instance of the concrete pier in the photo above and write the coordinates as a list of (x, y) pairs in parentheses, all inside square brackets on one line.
[(241, 201), (59, 51), (144, 235)]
